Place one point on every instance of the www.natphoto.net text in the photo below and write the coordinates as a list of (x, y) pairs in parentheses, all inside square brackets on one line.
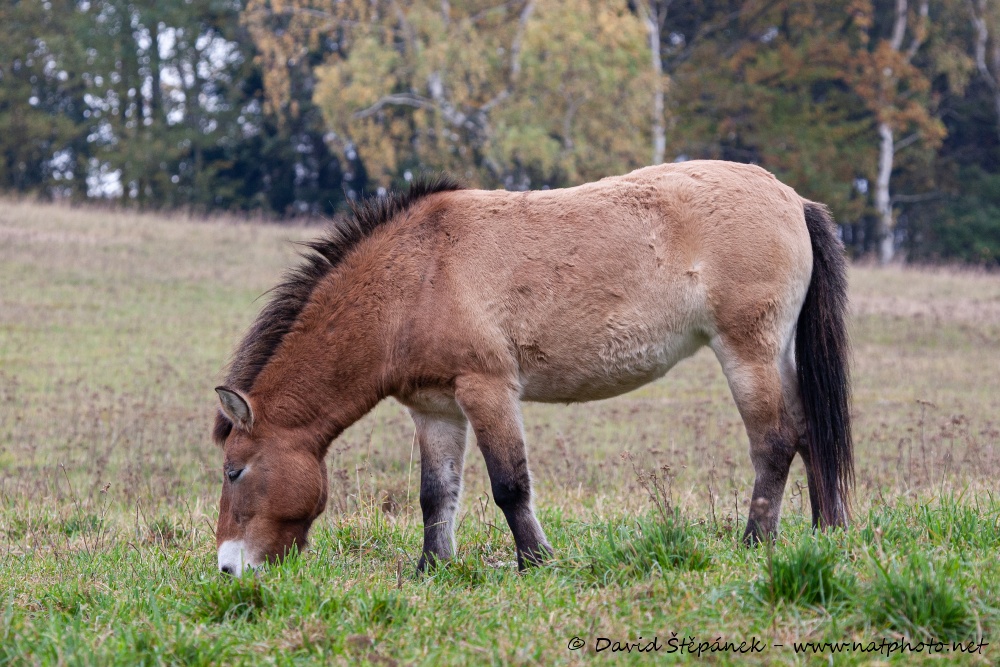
[(695, 646)]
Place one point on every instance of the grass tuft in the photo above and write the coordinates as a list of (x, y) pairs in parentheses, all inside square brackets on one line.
[(381, 607), (81, 524), (631, 551), (232, 600), (951, 523), (807, 573), (921, 599)]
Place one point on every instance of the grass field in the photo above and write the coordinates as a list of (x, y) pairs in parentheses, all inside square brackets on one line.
[(114, 328)]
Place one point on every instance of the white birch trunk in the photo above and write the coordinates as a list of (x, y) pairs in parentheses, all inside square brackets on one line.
[(982, 35), (650, 10), (885, 229), (659, 129)]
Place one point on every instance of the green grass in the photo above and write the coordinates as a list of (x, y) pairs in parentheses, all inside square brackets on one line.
[(923, 598), (628, 552), (809, 572), (114, 329)]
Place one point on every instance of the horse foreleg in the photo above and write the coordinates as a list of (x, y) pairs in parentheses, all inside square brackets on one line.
[(493, 408), (441, 437)]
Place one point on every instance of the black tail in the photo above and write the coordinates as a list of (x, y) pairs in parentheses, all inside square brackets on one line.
[(821, 354)]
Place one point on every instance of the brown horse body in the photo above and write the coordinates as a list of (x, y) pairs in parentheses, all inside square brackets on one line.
[(462, 303)]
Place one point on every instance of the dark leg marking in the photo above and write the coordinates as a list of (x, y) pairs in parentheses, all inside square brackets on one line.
[(511, 484), (771, 460), (442, 459), (493, 408)]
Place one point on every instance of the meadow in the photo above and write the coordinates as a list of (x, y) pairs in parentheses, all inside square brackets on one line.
[(115, 327)]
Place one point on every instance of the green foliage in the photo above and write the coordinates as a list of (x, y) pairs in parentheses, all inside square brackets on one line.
[(468, 88), (40, 92), (808, 572), (964, 226), (227, 600), (152, 106), (572, 133), (650, 545), (291, 107), (922, 598), (785, 102)]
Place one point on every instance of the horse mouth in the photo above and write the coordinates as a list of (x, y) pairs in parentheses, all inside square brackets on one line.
[(235, 559)]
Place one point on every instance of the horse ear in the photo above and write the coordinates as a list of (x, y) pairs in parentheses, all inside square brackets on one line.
[(236, 406)]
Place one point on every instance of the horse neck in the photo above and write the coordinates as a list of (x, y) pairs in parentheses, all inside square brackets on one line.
[(330, 370)]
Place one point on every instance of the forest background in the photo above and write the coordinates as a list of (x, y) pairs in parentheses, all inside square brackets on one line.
[(888, 111)]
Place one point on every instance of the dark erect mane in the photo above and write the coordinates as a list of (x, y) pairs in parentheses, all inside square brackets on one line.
[(289, 297)]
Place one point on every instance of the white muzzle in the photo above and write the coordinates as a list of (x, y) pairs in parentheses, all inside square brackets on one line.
[(234, 558)]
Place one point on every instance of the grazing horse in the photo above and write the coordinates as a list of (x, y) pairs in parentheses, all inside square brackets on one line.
[(463, 303)]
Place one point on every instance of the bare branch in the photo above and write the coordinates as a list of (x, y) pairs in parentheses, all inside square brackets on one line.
[(401, 99), (906, 141), (978, 10), (920, 32), (912, 199)]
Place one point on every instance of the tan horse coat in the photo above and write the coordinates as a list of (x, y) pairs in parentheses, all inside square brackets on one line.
[(465, 302)]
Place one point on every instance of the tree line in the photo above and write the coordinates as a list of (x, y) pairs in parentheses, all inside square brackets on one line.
[(887, 110)]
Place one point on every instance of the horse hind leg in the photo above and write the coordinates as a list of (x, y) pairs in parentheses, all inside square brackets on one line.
[(441, 437), (795, 416), (755, 379)]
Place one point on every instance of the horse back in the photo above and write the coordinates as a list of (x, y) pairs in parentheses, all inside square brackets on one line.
[(587, 292)]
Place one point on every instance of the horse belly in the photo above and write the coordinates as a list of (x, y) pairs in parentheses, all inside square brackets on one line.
[(611, 365)]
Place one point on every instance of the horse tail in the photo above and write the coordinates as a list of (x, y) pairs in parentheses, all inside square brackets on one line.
[(822, 349)]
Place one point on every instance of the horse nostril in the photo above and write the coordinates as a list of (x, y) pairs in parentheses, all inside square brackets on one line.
[(227, 569)]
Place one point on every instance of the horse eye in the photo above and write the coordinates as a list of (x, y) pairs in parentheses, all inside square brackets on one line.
[(234, 475)]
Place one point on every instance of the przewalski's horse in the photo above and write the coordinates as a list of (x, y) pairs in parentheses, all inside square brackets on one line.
[(463, 303)]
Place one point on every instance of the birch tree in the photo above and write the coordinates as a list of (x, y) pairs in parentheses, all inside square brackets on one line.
[(986, 47), (523, 93), (895, 91), (654, 15)]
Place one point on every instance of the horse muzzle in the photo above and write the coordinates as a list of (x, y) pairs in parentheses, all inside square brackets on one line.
[(234, 558)]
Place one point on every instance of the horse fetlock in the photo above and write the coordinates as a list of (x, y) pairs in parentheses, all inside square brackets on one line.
[(429, 560), (763, 520), (534, 556), (755, 534), (440, 528)]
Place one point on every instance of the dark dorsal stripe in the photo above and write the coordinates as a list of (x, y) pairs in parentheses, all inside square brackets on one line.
[(290, 296)]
